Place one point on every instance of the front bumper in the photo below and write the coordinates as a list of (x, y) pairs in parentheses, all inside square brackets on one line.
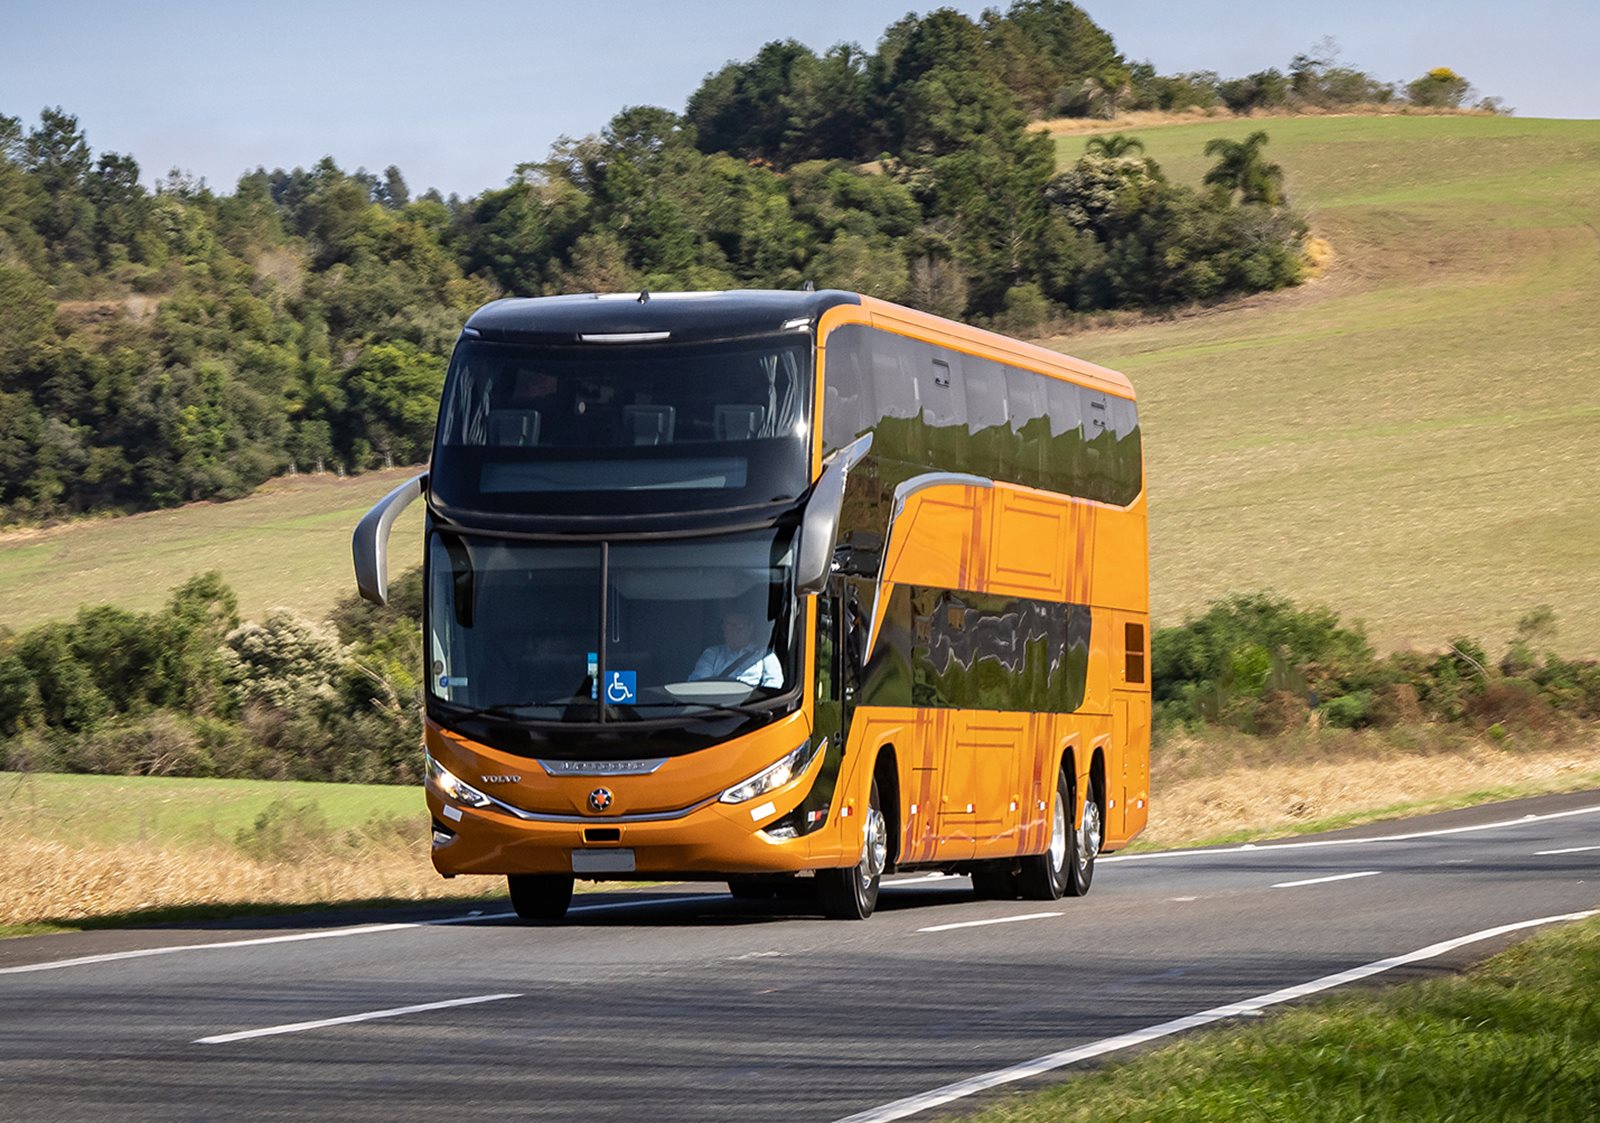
[(672, 821)]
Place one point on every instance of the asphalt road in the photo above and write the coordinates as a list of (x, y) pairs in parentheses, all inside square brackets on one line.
[(682, 1004)]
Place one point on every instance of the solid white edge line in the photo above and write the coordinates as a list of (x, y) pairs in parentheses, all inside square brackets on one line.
[(347, 1019), (949, 1093), (330, 934), (1568, 850), (991, 920), (1260, 847), (371, 929), (1325, 880)]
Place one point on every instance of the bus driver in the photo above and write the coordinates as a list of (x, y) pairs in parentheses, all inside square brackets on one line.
[(739, 657)]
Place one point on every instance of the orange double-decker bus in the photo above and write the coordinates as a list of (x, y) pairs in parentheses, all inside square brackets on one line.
[(761, 586)]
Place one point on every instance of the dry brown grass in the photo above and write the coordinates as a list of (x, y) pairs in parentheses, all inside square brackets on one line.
[(1217, 785), (46, 880), (1150, 118)]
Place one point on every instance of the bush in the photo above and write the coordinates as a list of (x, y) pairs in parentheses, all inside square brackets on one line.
[(1439, 88), (1257, 662)]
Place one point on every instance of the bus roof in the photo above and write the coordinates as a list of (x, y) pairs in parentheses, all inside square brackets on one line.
[(689, 316), (685, 315)]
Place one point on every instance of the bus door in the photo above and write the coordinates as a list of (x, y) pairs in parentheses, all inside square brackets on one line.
[(1128, 779), (836, 670)]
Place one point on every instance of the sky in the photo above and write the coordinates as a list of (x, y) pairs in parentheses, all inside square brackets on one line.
[(457, 94)]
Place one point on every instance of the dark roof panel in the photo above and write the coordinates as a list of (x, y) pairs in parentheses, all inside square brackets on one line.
[(686, 315)]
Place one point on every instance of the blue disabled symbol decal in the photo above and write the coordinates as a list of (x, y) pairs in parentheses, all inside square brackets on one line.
[(622, 687)]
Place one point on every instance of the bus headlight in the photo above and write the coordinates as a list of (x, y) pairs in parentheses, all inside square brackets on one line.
[(774, 775), (456, 789)]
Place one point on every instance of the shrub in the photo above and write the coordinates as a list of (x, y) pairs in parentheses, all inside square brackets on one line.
[(1439, 88)]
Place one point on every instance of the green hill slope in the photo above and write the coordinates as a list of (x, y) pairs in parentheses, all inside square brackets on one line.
[(1412, 438), (286, 545)]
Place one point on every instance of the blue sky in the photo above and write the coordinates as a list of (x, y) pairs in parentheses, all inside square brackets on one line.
[(458, 93)]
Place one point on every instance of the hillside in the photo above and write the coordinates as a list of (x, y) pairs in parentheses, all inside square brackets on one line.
[(1411, 438), (1408, 438), (287, 544)]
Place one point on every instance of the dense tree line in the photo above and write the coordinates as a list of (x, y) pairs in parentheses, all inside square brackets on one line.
[(159, 346)]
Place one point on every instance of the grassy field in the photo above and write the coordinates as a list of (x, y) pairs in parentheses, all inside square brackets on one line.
[(91, 851), (1410, 438), (1518, 1037), (180, 812), (288, 544)]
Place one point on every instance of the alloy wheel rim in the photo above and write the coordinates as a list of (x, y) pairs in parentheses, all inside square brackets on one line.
[(1058, 834), (874, 846), (1089, 835)]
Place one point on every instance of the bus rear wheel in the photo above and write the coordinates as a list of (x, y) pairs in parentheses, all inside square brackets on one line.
[(540, 896), (1085, 845), (1045, 877), (852, 893)]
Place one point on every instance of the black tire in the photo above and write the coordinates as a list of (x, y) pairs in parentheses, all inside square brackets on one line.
[(1086, 845), (752, 888), (1044, 877), (995, 881), (852, 893), (540, 896)]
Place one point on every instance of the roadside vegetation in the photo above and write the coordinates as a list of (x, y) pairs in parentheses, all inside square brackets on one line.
[(1517, 1037)]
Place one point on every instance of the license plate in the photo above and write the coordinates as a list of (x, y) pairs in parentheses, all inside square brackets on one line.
[(602, 861)]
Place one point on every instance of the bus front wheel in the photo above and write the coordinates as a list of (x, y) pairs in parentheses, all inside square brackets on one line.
[(540, 896), (852, 893)]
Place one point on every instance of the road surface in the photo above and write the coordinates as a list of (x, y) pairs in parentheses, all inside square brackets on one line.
[(682, 1004)]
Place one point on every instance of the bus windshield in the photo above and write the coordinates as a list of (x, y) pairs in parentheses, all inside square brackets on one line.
[(620, 631), (638, 428)]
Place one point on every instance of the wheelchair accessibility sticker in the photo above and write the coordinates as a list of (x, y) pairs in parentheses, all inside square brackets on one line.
[(622, 687)]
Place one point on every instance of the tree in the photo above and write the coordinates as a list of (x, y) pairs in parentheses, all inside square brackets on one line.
[(1114, 145), (1240, 167), (1056, 46), (393, 393), (1439, 88), (391, 191), (1105, 87)]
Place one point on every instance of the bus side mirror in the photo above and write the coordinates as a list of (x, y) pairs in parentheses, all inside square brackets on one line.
[(370, 544), (819, 526)]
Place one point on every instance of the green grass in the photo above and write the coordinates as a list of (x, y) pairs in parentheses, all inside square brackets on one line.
[(288, 545), (1409, 439), (1516, 1038), (182, 813)]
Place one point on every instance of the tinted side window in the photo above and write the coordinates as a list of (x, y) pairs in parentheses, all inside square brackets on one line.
[(949, 411)]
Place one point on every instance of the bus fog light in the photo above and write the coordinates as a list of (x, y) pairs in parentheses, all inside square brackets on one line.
[(449, 785), (774, 776)]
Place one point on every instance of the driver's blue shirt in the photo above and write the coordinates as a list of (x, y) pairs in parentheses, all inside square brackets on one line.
[(752, 665)]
